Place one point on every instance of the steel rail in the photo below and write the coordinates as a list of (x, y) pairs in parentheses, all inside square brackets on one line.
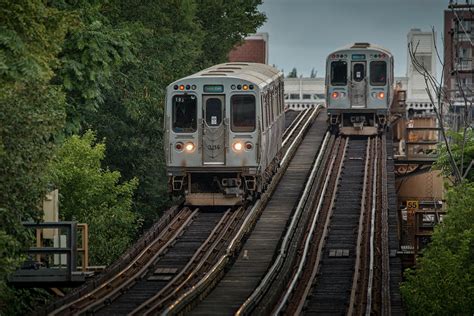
[(198, 260), (218, 268), (386, 304), (272, 272), (368, 306), (325, 232), (307, 244), (294, 126), (135, 263), (355, 280), (295, 120)]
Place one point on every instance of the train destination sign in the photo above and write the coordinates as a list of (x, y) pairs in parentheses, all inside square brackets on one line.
[(213, 88), (358, 56)]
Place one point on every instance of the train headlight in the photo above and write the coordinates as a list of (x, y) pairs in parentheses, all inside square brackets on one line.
[(248, 146), (381, 95), (189, 147), (237, 146), (335, 95)]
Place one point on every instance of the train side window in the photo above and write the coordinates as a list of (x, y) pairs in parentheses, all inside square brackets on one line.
[(378, 73), (184, 113), (242, 108), (339, 73)]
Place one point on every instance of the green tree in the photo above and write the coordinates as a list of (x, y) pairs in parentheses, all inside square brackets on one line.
[(293, 73), (443, 281), (31, 116), (456, 143), (93, 195)]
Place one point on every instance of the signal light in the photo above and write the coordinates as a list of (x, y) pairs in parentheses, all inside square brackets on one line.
[(248, 146), (194, 87), (335, 95), (233, 87), (179, 146), (188, 87), (245, 87), (176, 87), (239, 87), (181, 87), (251, 87), (237, 146)]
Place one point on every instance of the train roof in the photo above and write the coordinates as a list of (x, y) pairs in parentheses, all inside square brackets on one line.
[(255, 73), (359, 45)]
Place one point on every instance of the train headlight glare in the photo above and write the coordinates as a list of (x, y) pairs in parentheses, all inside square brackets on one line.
[(189, 147), (335, 95), (237, 146), (381, 95)]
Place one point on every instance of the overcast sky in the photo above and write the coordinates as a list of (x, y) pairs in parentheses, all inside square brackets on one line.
[(303, 32)]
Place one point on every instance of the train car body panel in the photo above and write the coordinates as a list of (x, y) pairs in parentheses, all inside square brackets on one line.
[(223, 130), (359, 87)]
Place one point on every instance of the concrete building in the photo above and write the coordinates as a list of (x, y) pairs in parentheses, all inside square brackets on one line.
[(254, 49), (423, 48)]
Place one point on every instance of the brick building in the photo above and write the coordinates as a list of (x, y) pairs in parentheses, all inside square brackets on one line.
[(458, 57), (253, 49)]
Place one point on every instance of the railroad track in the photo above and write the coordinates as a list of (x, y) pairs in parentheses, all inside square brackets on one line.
[(177, 258), (239, 271), (343, 266)]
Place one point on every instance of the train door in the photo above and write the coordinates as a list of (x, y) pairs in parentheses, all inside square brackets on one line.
[(213, 133), (358, 85)]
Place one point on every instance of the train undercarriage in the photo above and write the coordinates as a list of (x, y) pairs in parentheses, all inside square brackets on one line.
[(357, 123), (214, 187)]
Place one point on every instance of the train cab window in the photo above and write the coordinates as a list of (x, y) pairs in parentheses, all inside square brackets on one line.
[(378, 73), (184, 113), (339, 73), (213, 112), (306, 96), (242, 109), (358, 73)]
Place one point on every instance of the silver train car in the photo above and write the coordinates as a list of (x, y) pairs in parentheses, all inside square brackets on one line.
[(359, 88), (223, 133)]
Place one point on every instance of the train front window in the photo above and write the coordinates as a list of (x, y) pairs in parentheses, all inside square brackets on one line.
[(339, 73), (184, 113), (378, 73), (359, 72), (213, 112), (242, 109)]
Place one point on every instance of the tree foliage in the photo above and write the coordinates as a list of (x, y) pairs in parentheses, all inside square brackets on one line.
[(93, 195), (443, 162), (443, 282), (293, 73), (31, 115)]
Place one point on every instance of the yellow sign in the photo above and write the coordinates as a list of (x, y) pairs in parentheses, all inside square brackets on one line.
[(412, 206)]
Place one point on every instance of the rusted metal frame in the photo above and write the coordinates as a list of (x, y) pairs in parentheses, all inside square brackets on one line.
[(335, 177), (359, 243), (272, 273), (368, 306), (307, 241), (191, 268), (117, 266), (385, 284), (108, 289), (217, 271)]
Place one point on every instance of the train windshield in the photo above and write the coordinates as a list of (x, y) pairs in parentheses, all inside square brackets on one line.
[(339, 73), (184, 113), (378, 73), (213, 112), (242, 113)]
